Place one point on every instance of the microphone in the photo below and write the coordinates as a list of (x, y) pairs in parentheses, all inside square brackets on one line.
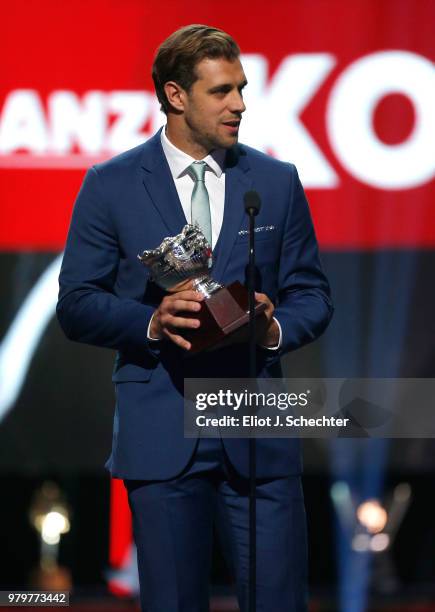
[(252, 203)]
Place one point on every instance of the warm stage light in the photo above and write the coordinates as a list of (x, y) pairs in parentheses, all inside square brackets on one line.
[(53, 525), (372, 516)]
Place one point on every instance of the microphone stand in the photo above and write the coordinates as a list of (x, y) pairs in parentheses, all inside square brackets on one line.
[(252, 594)]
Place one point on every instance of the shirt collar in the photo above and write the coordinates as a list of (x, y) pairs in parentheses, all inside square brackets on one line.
[(179, 161)]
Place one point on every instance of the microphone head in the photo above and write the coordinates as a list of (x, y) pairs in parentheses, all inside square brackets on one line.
[(252, 202)]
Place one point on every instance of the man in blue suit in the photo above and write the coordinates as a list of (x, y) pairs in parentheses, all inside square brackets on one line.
[(195, 170)]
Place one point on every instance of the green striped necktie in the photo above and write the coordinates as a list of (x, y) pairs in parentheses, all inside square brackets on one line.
[(200, 204)]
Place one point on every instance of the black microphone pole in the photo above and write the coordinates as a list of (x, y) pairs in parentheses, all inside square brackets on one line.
[(252, 206)]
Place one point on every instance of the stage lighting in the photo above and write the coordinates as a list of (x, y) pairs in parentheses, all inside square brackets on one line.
[(49, 515), (372, 516), (54, 524)]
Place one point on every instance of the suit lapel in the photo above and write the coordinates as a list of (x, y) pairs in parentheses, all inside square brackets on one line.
[(238, 181), (160, 185)]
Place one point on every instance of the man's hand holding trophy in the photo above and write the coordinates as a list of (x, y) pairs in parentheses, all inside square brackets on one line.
[(198, 313)]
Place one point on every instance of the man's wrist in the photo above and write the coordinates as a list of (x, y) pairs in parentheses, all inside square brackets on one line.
[(149, 334), (273, 336)]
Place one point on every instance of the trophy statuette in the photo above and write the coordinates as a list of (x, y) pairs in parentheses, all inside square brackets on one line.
[(188, 257)]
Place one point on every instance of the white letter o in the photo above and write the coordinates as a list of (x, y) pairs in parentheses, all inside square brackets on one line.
[(349, 119)]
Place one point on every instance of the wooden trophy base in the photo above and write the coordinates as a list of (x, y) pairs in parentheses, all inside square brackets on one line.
[(221, 315)]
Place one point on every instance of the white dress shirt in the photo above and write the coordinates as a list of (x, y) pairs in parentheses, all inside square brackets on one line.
[(214, 180), (178, 162)]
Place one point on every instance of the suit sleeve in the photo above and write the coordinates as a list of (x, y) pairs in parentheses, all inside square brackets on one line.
[(304, 306), (88, 309)]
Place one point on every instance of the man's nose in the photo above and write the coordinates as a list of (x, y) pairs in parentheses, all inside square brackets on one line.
[(237, 104)]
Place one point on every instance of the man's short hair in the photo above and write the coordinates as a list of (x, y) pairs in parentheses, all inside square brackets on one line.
[(178, 55)]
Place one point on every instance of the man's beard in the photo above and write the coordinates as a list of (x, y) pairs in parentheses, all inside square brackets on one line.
[(208, 141)]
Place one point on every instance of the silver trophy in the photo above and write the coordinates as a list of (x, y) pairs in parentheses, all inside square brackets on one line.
[(181, 258), (185, 260)]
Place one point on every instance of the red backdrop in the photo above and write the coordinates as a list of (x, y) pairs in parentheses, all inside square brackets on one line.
[(54, 54)]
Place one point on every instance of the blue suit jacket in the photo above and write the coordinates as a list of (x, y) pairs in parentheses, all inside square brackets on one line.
[(129, 204)]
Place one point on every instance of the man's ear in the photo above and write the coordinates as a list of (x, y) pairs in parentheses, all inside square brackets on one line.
[(175, 95)]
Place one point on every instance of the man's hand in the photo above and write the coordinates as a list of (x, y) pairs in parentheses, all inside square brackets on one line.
[(266, 328), (267, 331), (166, 323)]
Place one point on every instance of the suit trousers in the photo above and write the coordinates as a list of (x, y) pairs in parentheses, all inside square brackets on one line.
[(173, 529)]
